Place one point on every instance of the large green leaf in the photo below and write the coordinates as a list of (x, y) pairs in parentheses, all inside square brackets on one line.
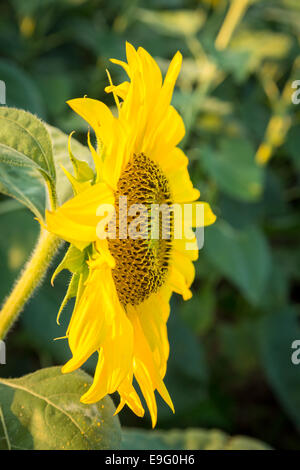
[(24, 184), (234, 168), (31, 152), (199, 312), (25, 157), (24, 141), (42, 411), (238, 347), (187, 372), (277, 333), (189, 439), (292, 145), (240, 255)]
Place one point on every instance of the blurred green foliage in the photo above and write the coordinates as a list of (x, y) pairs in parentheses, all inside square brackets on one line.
[(230, 364)]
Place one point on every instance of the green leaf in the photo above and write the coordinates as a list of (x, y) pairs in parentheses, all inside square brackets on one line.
[(277, 333), (42, 411), (30, 151), (240, 255), (238, 344), (102, 42), (238, 213), (199, 312), (189, 439), (187, 365), (25, 185), (25, 156), (246, 443), (21, 91), (234, 168), (292, 145), (9, 205), (25, 141), (234, 62)]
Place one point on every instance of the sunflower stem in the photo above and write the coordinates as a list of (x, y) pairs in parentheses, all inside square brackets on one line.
[(234, 15), (29, 280)]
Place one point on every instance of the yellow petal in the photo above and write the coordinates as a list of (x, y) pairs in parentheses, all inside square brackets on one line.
[(77, 219), (164, 296), (145, 369), (151, 71), (123, 64), (171, 77), (165, 95), (173, 160), (185, 266), (197, 214), (98, 318), (163, 139), (177, 282), (147, 388), (115, 358), (182, 244), (153, 322), (117, 154), (91, 318), (129, 397), (120, 90), (96, 113), (181, 186)]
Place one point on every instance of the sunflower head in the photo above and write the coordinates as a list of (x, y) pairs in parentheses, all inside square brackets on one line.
[(123, 280), (144, 268)]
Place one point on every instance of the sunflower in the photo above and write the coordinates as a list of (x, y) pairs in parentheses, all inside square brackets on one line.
[(123, 286)]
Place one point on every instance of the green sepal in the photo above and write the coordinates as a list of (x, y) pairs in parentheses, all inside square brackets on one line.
[(83, 172), (74, 260), (71, 292)]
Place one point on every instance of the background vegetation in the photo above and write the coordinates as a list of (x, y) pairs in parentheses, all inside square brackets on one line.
[(230, 364)]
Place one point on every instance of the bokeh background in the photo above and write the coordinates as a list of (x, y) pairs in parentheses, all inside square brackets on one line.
[(230, 365)]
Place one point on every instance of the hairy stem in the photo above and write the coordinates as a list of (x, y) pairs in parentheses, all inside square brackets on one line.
[(30, 278)]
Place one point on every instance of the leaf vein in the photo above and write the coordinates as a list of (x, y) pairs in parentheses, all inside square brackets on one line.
[(41, 397)]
